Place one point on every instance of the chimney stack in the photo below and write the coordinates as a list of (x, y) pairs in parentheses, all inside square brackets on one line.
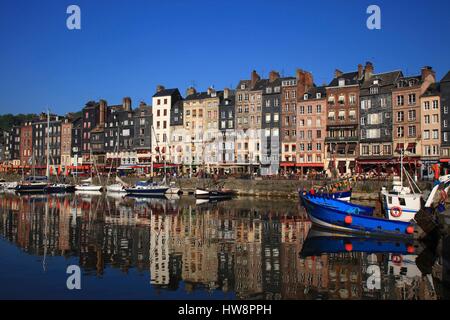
[(255, 78), (126, 104), (338, 73), (309, 81), (226, 93), (190, 91), (142, 104), (159, 88), (210, 91), (368, 70), (273, 75), (426, 71), (103, 105), (360, 71)]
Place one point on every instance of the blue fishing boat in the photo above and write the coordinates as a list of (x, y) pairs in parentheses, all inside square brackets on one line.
[(324, 213), (340, 195), (340, 205), (319, 242)]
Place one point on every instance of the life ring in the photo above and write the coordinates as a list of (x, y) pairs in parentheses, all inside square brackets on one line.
[(396, 212), (397, 259)]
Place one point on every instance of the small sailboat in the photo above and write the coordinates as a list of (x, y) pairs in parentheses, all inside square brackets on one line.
[(87, 185), (119, 187), (147, 189), (32, 184), (173, 189)]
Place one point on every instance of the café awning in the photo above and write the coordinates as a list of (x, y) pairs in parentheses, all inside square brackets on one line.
[(411, 146), (400, 147)]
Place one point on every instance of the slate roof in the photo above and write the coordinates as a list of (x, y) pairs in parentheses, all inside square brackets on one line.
[(203, 95), (312, 93), (433, 90), (351, 78), (167, 92), (446, 78)]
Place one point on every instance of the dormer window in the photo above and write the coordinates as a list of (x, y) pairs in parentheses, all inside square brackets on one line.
[(374, 90), (268, 90), (277, 89), (243, 86), (341, 82), (318, 95), (376, 82), (305, 96), (227, 102)]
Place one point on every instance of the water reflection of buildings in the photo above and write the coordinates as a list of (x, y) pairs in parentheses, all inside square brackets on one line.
[(249, 250)]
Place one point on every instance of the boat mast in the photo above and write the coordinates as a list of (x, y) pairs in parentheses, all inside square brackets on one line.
[(401, 167), (48, 144)]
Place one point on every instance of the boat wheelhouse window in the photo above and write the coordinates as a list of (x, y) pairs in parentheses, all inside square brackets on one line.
[(402, 201), (390, 200)]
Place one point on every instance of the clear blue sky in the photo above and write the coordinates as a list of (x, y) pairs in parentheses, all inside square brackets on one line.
[(126, 48)]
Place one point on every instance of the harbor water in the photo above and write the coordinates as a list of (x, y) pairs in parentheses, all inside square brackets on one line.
[(180, 248)]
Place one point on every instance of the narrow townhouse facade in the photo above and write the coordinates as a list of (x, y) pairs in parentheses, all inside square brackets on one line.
[(342, 121), (271, 124), (26, 144), (119, 135), (3, 135), (227, 140), (97, 137), (166, 111), (66, 142), (142, 144), (292, 94), (376, 139), (248, 114), (212, 134), (407, 118), (431, 130), (201, 124), (40, 141), (445, 123), (288, 126), (311, 130), (77, 143), (90, 119)]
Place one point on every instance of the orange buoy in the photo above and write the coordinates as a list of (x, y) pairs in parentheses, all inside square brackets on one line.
[(410, 249), (348, 247), (410, 230), (348, 219)]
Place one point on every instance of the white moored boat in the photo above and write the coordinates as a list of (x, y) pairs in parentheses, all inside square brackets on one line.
[(88, 186), (119, 187), (173, 189)]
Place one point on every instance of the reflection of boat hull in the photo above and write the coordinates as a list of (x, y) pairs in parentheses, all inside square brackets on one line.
[(352, 221), (321, 242), (214, 194), (59, 189)]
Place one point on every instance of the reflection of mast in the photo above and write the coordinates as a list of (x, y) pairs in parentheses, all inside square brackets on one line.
[(44, 264)]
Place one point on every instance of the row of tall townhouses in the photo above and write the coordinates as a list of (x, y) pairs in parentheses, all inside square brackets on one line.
[(361, 121)]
